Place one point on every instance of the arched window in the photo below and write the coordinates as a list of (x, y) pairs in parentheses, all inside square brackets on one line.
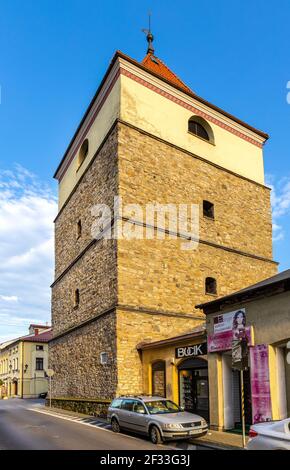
[(158, 379), (200, 127), (210, 285), (84, 150)]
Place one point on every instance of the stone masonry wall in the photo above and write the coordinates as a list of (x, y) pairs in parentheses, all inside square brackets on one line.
[(159, 275), (153, 275), (136, 327), (151, 170), (86, 406), (75, 359), (98, 186), (95, 275)]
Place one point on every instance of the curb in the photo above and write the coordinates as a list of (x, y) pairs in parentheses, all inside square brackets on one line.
[(214, 445)]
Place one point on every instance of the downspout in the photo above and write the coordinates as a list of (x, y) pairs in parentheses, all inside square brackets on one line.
[(22, 360)]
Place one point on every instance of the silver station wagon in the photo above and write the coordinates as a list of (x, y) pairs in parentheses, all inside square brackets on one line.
[(156, 417)]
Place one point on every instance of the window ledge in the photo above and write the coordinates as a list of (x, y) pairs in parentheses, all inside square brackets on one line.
[(209, 218), (201, 138), (80, 165), (211, 295)]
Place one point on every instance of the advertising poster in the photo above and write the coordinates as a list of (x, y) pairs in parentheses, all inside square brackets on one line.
[(260, 384), (228, 327)]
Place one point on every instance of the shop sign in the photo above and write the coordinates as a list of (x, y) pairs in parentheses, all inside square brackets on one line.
[(260, 384), (191, 351), (228, 327)]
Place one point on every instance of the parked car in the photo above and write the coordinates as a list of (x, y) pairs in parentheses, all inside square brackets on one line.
[(156, 417), (274, 435)]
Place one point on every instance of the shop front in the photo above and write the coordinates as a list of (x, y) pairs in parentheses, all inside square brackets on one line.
[(193, 386), (177, 368), (259, 318)]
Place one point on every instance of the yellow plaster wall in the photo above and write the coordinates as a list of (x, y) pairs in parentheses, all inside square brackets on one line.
[(34, 381), (158, 115), (165, 353), (215, 378), (274, 383), (102, 124)]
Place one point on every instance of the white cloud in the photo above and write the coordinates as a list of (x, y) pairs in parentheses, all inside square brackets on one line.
[(9, 298), (27, 210), (280, 201)]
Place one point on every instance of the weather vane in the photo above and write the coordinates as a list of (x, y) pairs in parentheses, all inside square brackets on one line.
[(149, 36)]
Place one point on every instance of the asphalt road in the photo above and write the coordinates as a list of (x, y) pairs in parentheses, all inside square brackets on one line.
[(23, 429)]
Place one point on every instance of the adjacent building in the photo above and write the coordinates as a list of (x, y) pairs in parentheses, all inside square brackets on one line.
[(263, 312), (23, 362), (148, 138)]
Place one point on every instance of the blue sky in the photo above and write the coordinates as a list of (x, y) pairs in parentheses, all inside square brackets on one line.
[(52, 57)]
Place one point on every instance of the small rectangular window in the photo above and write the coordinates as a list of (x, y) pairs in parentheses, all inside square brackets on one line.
[(39, 363), (79, 229), (76, 298), (39, 347), (208, 209), (210, 286)]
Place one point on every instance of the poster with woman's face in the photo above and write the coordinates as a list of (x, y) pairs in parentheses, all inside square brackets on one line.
[(239, 324), (228, 327)]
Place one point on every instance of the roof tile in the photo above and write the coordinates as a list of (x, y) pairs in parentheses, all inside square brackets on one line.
[(156, 65)]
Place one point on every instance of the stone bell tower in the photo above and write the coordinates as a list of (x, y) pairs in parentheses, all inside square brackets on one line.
[(147, 137)]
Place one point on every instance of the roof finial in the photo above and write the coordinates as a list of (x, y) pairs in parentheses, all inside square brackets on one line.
[(149, 36)]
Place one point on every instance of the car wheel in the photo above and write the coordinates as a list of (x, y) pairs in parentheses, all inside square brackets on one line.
[(115, 425), (155, 435)]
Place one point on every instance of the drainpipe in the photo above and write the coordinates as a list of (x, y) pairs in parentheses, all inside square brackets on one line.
[(22, 361)]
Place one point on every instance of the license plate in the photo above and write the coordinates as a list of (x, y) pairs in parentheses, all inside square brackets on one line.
[(195, 431)]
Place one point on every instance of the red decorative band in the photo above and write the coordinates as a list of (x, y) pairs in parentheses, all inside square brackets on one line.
[(167, 95), (190, 107)]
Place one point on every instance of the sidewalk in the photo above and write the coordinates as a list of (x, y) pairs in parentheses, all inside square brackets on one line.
[(221, 440)]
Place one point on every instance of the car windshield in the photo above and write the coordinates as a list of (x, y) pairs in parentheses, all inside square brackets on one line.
[(161, 407)]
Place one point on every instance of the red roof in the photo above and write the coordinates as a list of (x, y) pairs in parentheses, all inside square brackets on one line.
[(156, 65), (44, 337)]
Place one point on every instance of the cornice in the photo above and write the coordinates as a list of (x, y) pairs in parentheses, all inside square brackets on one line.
[(191, 103), (127, 66)]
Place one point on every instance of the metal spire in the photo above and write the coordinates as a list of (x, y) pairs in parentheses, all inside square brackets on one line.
[(149, 36)]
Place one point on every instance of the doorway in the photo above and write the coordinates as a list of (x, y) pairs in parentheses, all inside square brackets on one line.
[(159, 379), (15, 387), (193, 386)]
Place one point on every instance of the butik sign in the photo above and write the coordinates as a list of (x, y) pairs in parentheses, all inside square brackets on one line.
[(191, 351)]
